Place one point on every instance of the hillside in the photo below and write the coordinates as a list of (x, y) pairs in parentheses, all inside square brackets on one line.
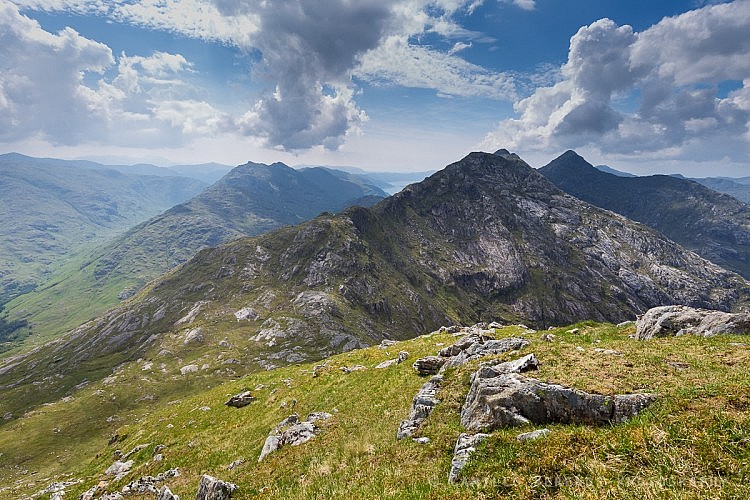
[(251, 199), (692, 443), (50, 209), (714, 225), (487, 238)]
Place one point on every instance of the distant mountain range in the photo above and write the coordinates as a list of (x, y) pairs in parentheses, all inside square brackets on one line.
[(251, 199), (50, 209), (716, 226), (487, 238)]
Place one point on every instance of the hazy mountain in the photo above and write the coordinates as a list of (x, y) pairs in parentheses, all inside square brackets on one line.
[(487, 238), (251, 199), (716, 226), (207, 172), (610, 170), (51, 208), (732, 187)]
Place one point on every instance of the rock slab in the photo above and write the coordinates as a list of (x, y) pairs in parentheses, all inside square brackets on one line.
[(465, 446), (512, 399), (421, 407), (292, 432), (667, 321), (240, 400)]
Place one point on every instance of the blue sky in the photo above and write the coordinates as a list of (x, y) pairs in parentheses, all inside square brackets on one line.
[(641, 85)]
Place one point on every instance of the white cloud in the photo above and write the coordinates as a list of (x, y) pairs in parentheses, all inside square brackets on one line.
[(310, 51), (397, 62), (651, 92), (54, 87)]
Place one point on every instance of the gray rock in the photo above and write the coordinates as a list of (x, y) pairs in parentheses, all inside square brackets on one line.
[(429, 365), (520, 365), (421, 407), (119, 469), (188, 369), (240, 400), (421, 440), (387, 363), (386, 343), (148, 484), (211, 488), (465, 446), (194, 336), (166, 494), (247, 313), (292, 432), (669, 321), (531, 436), (513, 399), (402, 356), (236, 463)]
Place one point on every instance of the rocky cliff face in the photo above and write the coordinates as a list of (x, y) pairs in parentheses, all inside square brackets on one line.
[(488, 238), (716, 226)]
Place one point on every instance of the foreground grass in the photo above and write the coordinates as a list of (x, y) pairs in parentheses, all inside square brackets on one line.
[(693, 443)]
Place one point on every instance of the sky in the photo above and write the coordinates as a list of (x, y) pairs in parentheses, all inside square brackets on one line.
[(389, 85)]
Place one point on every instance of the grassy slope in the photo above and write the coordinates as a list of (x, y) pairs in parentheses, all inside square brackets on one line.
[(694, 443)]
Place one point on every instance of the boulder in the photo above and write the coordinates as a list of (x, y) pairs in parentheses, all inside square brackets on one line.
[(429, 365), (240, 400), (666, 321), (512, 399), (188, 369), (119, 469), (465, 446), (421, 407), (211, 488), (194, 336), (520, 365), (292, 432)]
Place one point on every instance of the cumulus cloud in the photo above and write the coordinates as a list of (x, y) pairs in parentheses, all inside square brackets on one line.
[(311, 50), (66, 89), (654, 91)]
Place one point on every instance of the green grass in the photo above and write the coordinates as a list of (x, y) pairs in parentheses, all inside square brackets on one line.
[(693, 443)]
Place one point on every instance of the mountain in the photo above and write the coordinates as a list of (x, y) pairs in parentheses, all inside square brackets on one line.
[(610, 170), (732, 187), (714, 225), (52, 208), (487, 238), (251, 199)]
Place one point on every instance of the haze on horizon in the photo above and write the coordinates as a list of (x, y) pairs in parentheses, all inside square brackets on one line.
[(642, 86)]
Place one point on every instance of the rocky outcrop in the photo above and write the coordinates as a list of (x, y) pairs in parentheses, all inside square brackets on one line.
[(119, 469), (240, 400), (211, 488), (421, 407), (429, 365), (669, 321), (475, 346), (148, 484), (465, 446), (292, 432), (512, 399)]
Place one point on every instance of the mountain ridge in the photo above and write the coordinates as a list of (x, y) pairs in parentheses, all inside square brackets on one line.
[(488, 238), (715, 225)]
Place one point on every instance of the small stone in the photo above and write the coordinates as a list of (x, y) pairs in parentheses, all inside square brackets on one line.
[(573, 331), (240, 400), (236, 463), (386, 364), (166, 494), (548, 337), (530, 436), (158, 457), (421, 440), (580, 349), (402, 356)]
